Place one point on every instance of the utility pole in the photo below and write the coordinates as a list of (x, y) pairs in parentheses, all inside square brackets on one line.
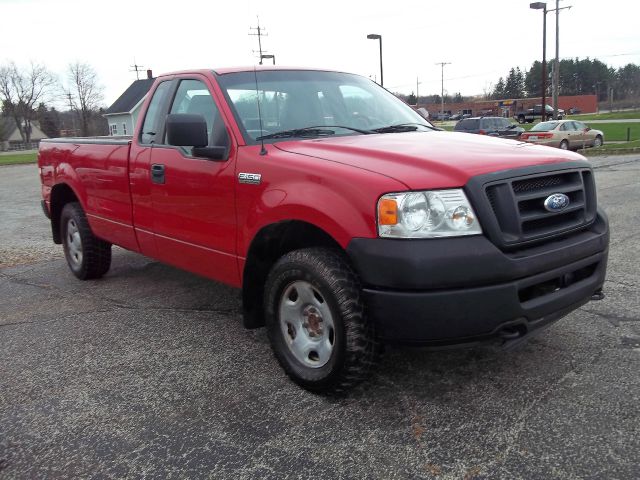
[(73, 120), (556, 65), (417, 90), (442, 64), (136, 68), (259, 32)]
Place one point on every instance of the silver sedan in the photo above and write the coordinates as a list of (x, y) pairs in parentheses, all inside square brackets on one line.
[(564, 134)]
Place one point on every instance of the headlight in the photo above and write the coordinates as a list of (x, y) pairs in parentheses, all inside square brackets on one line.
[(432, 213)]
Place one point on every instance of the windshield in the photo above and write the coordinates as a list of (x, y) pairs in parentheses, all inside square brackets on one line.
[(544, 127), (294, 100)]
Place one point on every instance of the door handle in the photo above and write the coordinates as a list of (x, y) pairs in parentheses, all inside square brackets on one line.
[(157, 173)]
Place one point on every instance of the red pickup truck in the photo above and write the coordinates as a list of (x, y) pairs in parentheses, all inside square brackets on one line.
[(346, 218)]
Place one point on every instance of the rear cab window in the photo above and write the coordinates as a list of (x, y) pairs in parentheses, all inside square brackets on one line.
[(153, 115)]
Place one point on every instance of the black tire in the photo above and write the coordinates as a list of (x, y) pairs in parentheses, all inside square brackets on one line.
[(564, 145), (355, 349), (87, 256), (521, 119), (597, 142)]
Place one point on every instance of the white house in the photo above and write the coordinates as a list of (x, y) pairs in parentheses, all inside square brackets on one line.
[(123, 114)]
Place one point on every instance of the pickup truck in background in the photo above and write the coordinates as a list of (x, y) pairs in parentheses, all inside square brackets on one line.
[(531, 114), (345, 218)]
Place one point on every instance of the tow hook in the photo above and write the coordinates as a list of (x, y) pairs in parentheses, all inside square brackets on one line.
[(511, 333), (598, 295)]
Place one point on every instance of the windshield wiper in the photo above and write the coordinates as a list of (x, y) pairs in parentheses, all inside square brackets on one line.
[(319, 131), (402, 127), (298, 132)]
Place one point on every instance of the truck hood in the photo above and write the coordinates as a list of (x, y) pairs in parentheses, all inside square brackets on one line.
[(423, 160)]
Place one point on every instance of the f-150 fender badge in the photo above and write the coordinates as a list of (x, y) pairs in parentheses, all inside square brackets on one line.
[(250, 178)]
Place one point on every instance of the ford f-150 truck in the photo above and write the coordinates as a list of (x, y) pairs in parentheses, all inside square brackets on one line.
[(346, 219)]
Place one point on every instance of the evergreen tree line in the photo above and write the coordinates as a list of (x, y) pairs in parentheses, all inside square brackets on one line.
[(577, 77)]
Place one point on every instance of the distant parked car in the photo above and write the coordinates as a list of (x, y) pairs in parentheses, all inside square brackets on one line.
[(441, 116), (564, 134), (530, 115), (455, 116), (492, 126), (574, 111), (423, 112)]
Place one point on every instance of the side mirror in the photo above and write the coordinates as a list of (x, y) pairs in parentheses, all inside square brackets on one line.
[(587, 129), (190, 130), (187, 130)]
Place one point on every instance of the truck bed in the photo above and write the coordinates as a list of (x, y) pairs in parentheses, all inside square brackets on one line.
[(97, 170)]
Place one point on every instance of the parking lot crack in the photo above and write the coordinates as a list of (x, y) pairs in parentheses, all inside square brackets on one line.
[(177, 309), (20, 281), (614, 320), (513, 435)]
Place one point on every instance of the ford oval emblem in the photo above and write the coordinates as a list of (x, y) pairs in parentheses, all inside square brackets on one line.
[(556, 202)]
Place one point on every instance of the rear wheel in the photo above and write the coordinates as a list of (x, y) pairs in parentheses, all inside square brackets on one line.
[(316, 322), (564, 145), (597, 142), (520, 119), (87, 256)]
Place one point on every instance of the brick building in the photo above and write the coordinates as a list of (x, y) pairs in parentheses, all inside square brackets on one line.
[(508, 108)]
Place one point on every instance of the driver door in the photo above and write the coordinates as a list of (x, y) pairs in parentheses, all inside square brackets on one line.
[(193, 198)]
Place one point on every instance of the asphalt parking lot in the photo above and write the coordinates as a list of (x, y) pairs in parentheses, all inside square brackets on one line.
[(149, 373)]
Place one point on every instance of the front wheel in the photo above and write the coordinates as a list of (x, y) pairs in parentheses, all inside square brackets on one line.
[(564, 145), (316, 322), (87, 256), (597, 142)]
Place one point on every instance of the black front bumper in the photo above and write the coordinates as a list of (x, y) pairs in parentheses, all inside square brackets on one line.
[(459, 290)]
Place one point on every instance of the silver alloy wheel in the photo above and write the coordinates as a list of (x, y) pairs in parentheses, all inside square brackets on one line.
[(74, 242), (597, 142), (564, 145), (306, 324)]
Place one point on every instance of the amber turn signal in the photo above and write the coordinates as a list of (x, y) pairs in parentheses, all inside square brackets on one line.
[(387, 212)]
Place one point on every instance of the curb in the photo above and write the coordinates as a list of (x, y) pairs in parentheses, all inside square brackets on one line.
[(604, 153)]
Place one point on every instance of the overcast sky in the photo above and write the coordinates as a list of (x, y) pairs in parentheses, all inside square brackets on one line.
[(481, 38)]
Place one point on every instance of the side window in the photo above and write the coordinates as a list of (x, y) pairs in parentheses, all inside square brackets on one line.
[(194, 97), (151, 118)]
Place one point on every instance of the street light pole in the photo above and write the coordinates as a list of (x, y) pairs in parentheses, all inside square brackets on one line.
[(375, 36), (442, 64), (556, 70), (543, 6)]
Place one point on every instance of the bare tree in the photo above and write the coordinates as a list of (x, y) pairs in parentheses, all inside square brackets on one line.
[(21, 90), (87, 93)]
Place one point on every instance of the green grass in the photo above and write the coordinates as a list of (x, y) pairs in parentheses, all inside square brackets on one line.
[(612, 147), (612, 131), (626, 114), (18, 158)]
